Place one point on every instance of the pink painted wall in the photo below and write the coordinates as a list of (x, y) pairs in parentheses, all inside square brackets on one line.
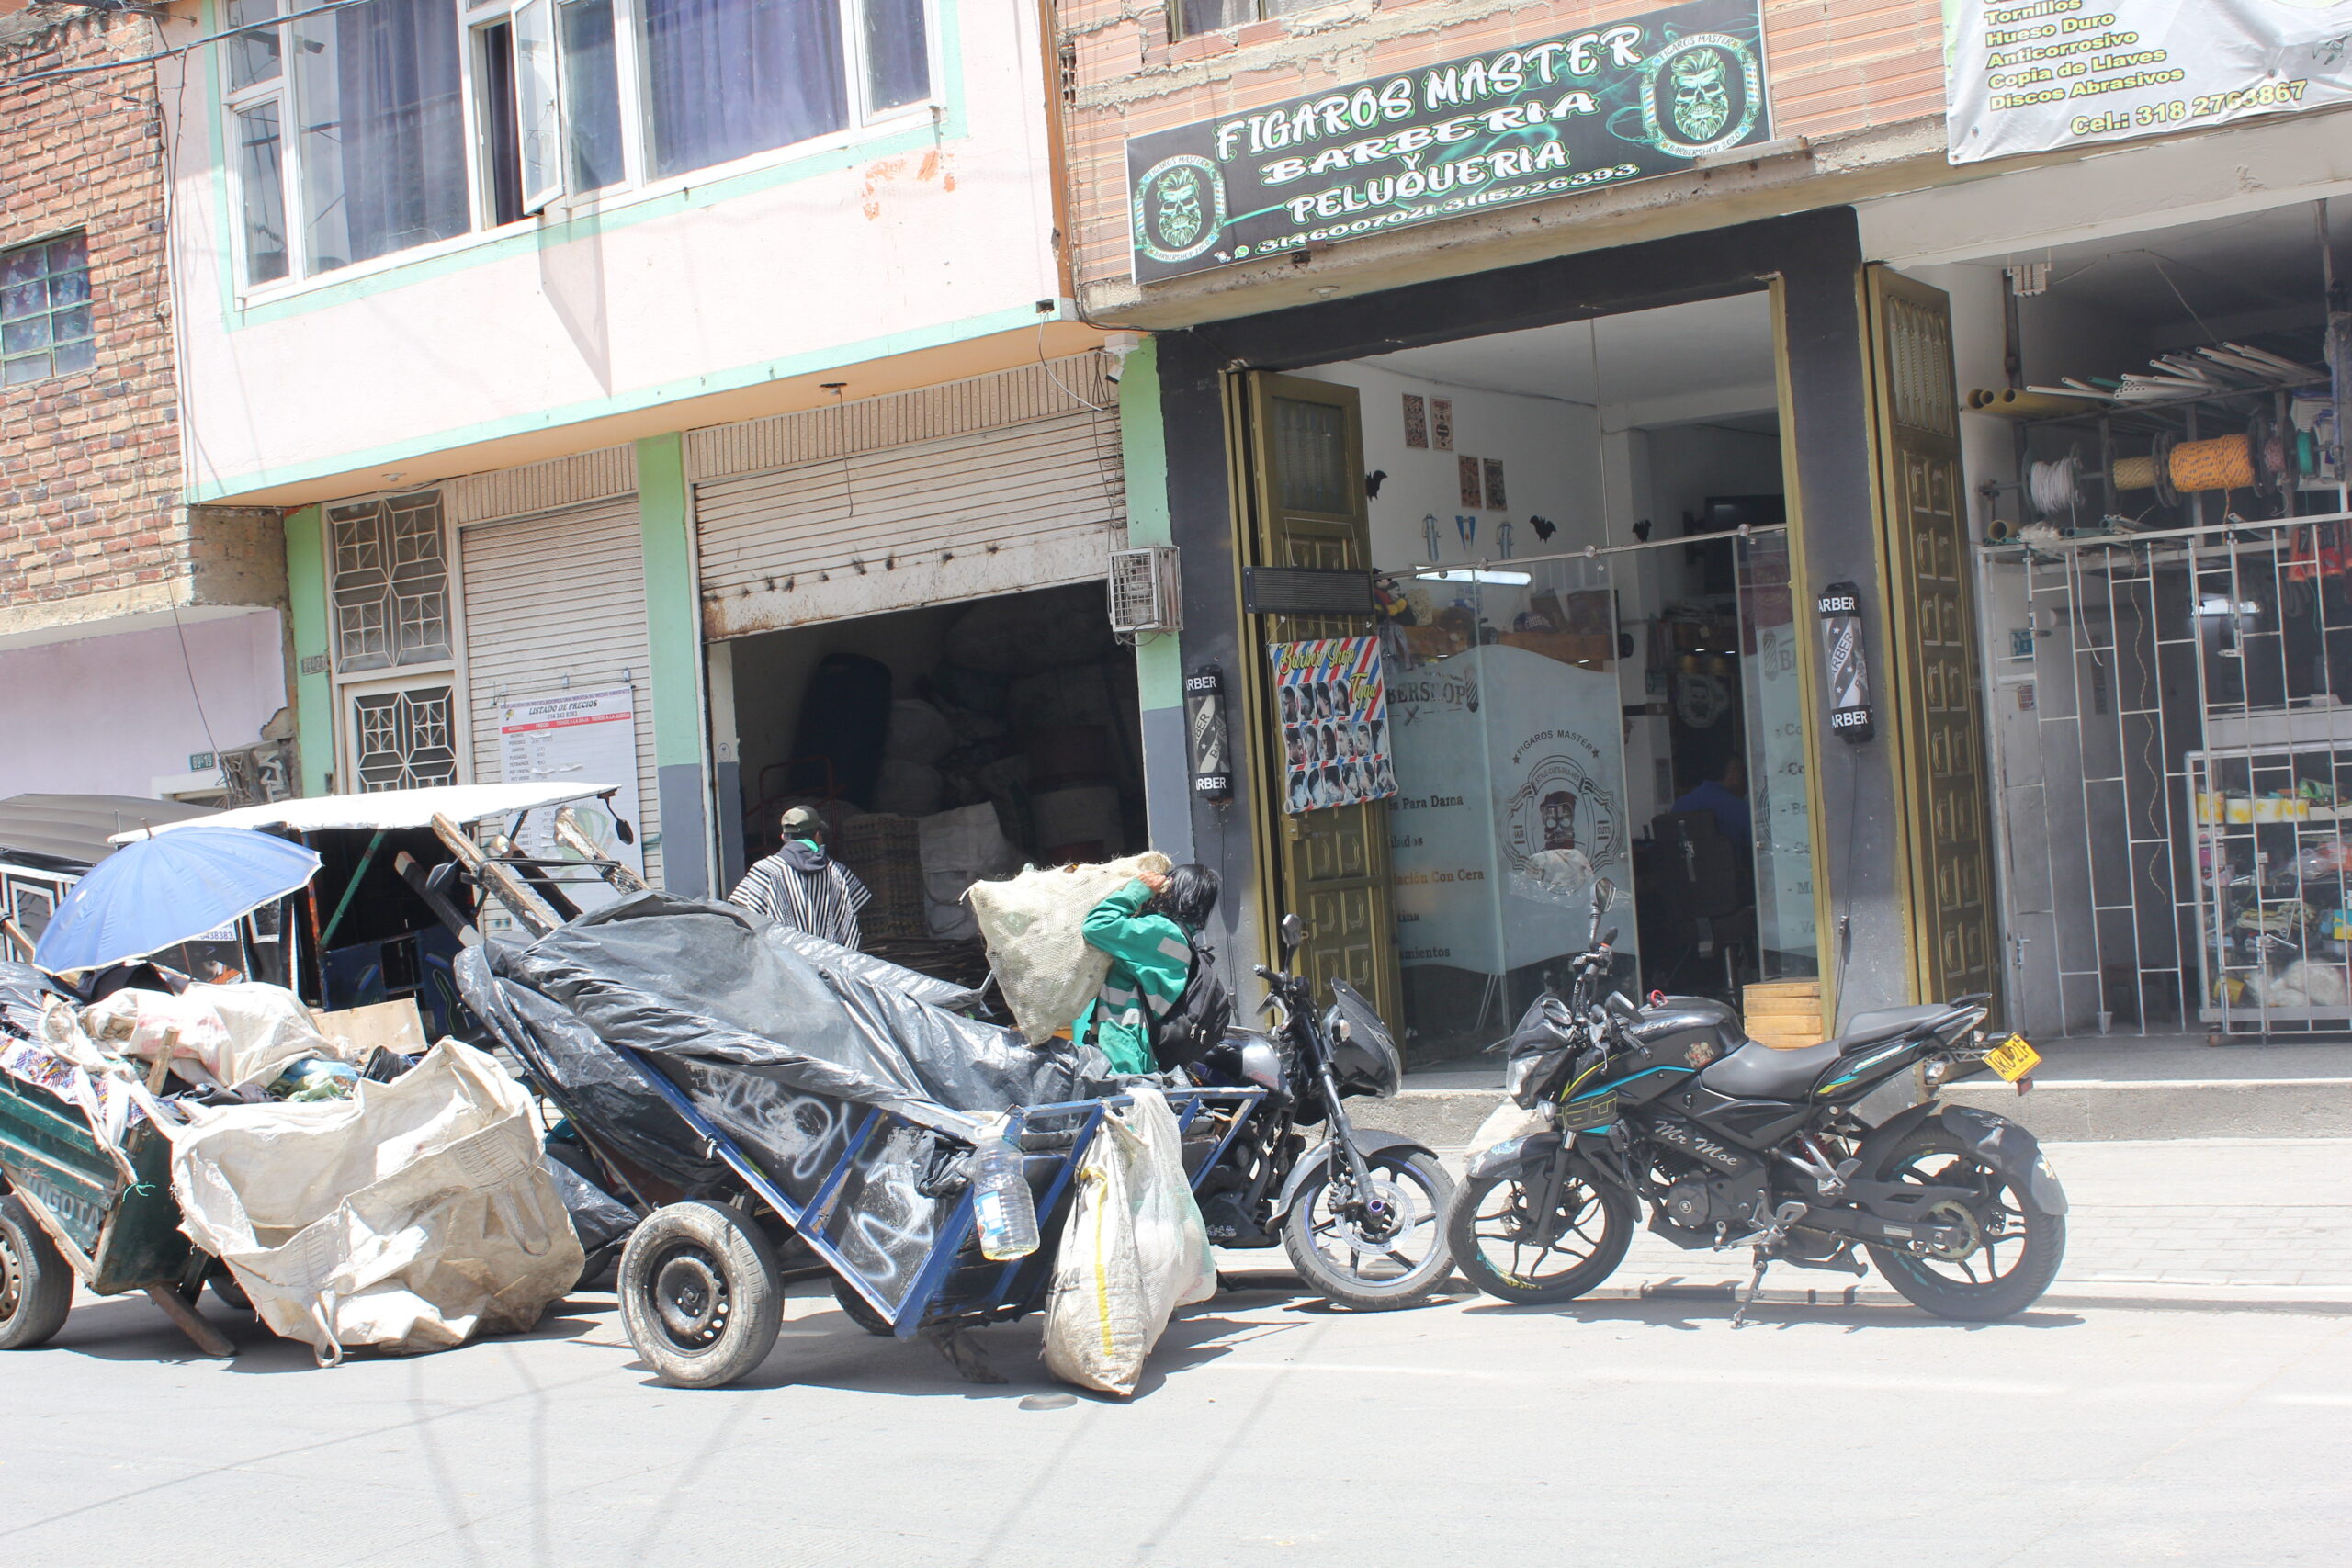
[(109, 714)]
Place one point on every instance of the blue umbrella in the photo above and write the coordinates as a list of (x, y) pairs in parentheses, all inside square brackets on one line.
[(168, 889)]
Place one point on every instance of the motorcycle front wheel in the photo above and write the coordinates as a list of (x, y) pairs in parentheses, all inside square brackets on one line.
[(1372, 1264), (2013, 1246), (1492, 1230)]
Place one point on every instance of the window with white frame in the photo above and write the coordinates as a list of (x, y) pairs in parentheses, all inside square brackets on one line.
[(387, 124)]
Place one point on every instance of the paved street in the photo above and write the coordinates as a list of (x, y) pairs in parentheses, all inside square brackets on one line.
[(2142, 1414)]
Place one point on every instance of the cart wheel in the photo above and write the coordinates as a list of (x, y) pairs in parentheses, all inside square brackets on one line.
[(36, 1285), (230, 1293), (860, 1311), (699, 1294)]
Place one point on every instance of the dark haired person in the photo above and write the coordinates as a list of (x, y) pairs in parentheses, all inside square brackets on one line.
[(1147, 927), (801, 886)]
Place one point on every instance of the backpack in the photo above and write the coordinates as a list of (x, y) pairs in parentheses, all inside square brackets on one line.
[(1200, 1016)]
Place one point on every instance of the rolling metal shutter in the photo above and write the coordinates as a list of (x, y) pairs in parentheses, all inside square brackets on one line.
[(1000, 511), (557, 602)]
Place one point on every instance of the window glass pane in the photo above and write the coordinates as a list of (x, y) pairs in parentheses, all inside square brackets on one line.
[(732, 78), (501, 143), (1207, 15), (44, 303), (403, 740), (591, 94), (898, 55), (251, 57), (263, 185), (383, 152), (1311, 445)]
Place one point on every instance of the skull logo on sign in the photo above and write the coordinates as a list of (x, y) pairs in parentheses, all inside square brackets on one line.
[(1701, 95), (1180, 207)]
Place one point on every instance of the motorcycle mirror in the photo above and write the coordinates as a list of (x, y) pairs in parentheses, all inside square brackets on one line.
[(1623, 1005), (1604, 897), (1294, 933)]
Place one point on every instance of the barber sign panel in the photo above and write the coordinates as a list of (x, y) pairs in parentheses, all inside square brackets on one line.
[(1618, 101)]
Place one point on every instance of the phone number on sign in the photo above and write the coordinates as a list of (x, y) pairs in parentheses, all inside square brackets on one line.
[(1437, 208), (2269, 95)]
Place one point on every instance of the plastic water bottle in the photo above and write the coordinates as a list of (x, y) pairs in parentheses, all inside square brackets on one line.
[(1000, 1200)]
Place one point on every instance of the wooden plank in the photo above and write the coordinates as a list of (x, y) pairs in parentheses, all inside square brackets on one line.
[(528, 910)]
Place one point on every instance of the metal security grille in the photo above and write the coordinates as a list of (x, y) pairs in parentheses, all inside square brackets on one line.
[(392, 582), (403, 740), (2172, 716)]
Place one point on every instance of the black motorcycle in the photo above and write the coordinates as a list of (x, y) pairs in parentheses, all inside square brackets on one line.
[(1361, 1213), (1733, 1144)]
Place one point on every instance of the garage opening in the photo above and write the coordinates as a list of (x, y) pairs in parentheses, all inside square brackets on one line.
[(945, 745)]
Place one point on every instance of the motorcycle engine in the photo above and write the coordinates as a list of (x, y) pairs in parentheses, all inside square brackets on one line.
[(1696, 1204)]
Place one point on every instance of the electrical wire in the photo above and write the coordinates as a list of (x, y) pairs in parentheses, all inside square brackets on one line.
[(248, 29)]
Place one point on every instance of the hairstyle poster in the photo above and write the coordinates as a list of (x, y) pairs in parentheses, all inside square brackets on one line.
[(1334, 708)]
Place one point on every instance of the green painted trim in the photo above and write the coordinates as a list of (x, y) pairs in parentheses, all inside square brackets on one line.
[(673, 620), (1143, 457), (306, 588), (951, 125), (1008, 320)]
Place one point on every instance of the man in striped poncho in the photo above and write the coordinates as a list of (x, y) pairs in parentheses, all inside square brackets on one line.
[(801, 886)]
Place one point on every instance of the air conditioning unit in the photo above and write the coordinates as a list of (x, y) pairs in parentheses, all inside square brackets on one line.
[(1144, 596)]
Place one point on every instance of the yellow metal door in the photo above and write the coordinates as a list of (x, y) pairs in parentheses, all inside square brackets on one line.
[(1302, 470), (1938, 729)]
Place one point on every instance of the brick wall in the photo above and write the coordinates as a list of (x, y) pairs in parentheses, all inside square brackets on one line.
[(90, 524), (1836, 65)]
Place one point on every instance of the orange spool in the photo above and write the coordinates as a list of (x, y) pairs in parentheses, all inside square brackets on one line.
[(2226, 463)]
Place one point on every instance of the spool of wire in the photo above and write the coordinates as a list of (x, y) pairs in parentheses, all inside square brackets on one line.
[(2225, 463), (2052, 487), (2135, 473)]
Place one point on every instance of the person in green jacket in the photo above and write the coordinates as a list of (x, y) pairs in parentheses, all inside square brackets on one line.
[(1147, 927)]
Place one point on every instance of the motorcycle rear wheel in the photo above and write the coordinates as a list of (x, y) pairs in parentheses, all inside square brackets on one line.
[(2012, 1262), (1596, 1227), (1317, 1236)]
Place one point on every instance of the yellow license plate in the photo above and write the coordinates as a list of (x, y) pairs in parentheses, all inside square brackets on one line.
[(2013, 1058)]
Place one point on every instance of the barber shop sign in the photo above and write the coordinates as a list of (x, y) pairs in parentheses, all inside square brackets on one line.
[(1626, 100)]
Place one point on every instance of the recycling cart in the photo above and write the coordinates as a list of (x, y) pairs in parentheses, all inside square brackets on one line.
[(73, 1207), (781, 1107)]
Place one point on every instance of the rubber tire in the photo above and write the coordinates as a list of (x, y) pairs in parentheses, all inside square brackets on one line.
[(47, 1280), (2045, 1244), (1617, 1234), (746, 1263), (230, 1293), (1346, 1290), (860, 1311)]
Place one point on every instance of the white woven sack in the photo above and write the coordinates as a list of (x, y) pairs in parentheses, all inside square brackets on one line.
[(1132, 1250), (1034, 926), (412, 1216)]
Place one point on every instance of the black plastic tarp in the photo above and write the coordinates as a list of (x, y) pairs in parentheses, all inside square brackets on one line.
[(708, 984), (847, 962), (606, 1095)]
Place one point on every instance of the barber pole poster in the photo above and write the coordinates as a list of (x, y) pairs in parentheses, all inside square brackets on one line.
[(1334, 708)]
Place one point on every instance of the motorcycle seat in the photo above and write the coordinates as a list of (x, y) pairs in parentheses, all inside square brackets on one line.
[(1759, 1072)]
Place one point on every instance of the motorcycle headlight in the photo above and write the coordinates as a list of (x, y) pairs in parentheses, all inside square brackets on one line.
[(1518, 1075)]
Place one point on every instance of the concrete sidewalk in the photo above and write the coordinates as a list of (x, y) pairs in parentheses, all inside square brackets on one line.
[(2090, 1090)]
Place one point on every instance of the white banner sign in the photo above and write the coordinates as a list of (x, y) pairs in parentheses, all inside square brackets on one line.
[(2035, 75), (588, 737)]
